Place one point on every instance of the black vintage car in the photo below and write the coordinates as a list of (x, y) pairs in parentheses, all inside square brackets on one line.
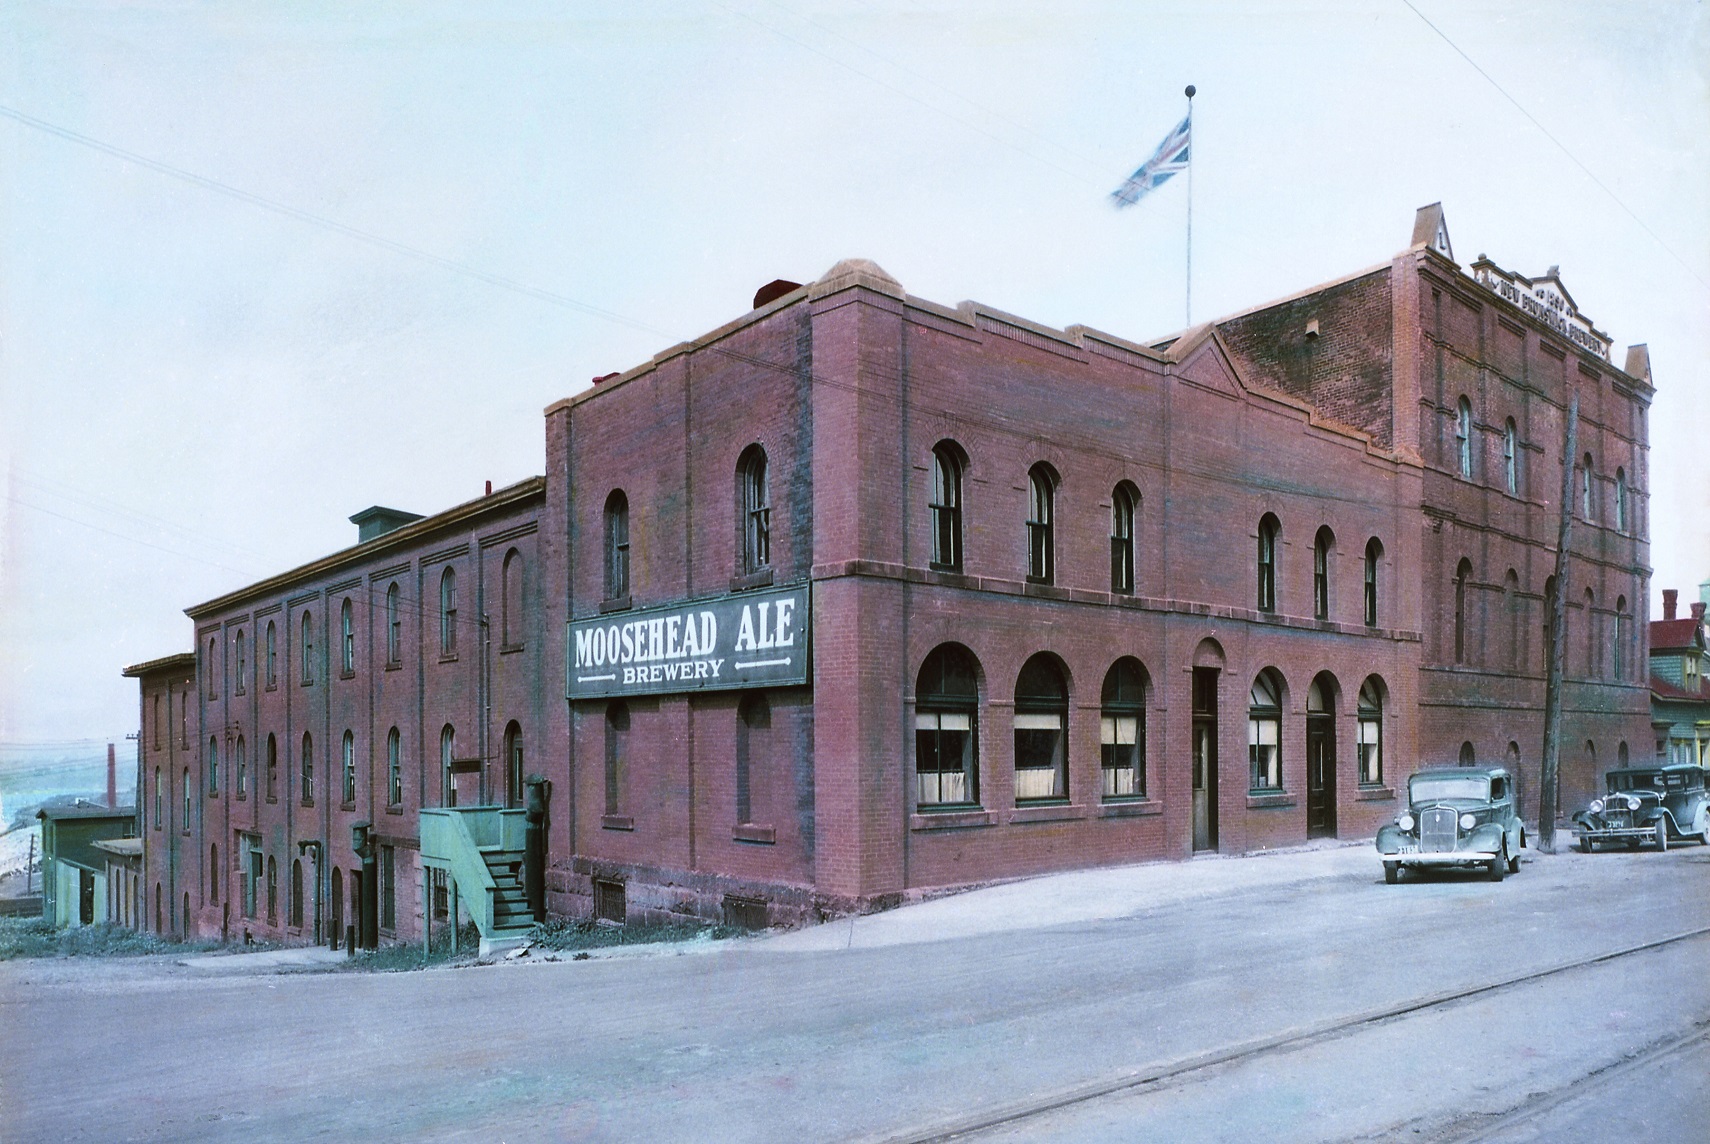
[(1647, 805), (1455, 816)]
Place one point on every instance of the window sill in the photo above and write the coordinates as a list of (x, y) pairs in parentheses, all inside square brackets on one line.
[(347, 806), (395, 665), (615, 604), (1257, 800), (272, 798), (347, 674), (395, 808), (616, 822), (272, 687), (1047, 812), (951, 819), (241, 797), (240, 691), (213, 794), (747, 832), (946, 569), (510, 648), (307, 802), (1375, 794), (1129, 807), (760, 579), (448, 657)]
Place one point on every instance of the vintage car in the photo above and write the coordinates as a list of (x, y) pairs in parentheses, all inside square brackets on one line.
[(1647, 805), (1455, 816)]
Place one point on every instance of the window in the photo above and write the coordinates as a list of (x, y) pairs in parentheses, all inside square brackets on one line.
[(1619, 659), (208, 671), (272, 768), (185, 825), (242, 764), (214, 874), (388, 888), (297, 893), (157, 722), (1041, 497), (1463, 436), (945, 750), (1369, 712), (213, 766), (307, 778), (394, 628), (272, 654), (513, 765), (1041, 723), (1268, 528), (1585, 487), (272, 892), (242, 664), (1468, 757), (308, 649), (1123, 502), (159, 806), (617, 545), (1321, 548), (1511, 457), (346, 639), (1264, 732), (394, 769), (448, 612), (447, 747), (753, 724), (948, 464), (617, 730), (184, 720), (1374, 557), (756, 523), (511, 600), (1122, 730), (349, 767), (1620, 500), (1462, 571)]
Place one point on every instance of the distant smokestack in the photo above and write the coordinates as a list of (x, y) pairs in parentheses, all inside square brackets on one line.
[(1671, 597), (489, 488), (112, 779), (1698, 612)]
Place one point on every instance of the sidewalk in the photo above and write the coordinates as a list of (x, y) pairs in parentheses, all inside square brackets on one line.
[(267, 961)]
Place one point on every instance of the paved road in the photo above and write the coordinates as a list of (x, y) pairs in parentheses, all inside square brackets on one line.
[(1279, 998)]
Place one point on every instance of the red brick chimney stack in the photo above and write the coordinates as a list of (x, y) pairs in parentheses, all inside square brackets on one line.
[(112, 779), (1671, 597), (1698, 613)]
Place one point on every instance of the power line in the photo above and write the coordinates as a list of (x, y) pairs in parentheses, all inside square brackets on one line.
[(1589, 173)]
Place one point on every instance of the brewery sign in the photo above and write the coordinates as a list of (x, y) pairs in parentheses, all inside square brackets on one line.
[(750, 639)]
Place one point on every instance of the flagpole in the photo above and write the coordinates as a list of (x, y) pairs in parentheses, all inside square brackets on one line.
[(1190, 93)]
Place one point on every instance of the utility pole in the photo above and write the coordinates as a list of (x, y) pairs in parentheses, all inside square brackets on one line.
[(1548, 793)]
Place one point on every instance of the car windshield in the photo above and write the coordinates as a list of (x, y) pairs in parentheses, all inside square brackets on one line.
[(1644, 781), (1435, 788)]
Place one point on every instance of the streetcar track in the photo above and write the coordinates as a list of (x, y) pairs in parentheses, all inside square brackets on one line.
[(1156, 1075)]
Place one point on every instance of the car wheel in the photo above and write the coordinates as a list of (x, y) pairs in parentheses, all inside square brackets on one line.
[(1662, 834), (1514, 864), (1391, 873), (1499, 864)]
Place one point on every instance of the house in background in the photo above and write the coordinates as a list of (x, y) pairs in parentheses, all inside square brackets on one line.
[(1680, 683), (74, 868)]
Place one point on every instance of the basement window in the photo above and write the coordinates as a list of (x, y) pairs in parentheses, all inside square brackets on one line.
[(609, 903)]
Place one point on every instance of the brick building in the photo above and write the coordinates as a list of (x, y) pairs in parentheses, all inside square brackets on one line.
[(861, 594)]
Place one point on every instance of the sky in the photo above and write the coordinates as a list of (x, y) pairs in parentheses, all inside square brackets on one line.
[(208, 361)]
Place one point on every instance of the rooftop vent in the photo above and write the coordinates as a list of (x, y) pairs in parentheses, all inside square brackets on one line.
[(378, 521), (774, 290)]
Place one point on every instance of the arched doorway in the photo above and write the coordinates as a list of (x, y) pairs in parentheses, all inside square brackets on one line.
[(1208, 662), (1321, 756), (335, 910)]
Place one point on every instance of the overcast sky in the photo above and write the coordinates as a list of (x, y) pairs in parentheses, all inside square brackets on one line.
[(197, 391)]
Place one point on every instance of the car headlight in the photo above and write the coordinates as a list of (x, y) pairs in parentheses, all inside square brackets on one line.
[(1632, 802), (1405, 822), (1468, 822), (1596, 806)]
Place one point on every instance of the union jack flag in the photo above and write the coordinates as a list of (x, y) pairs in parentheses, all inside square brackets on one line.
[(1170, 158)]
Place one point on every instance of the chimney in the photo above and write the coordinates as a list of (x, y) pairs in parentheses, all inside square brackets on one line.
[(112, 779), (1698, 612), (489, 488), (1671, 597)]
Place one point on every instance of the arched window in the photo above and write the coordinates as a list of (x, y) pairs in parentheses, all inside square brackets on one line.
[(297, 893), (208, 671), (617, 545), (272, 891), (1516, 629), (1264, 731), (755, 524), (188, 790), (1041, 725), (1463, 436), (394, 768), (308, 649), (184, 720), (1511, 457), (214, 874), (1374, 557), (946, 707), (1122, 729), (447, 748), (394, 627), (213, 766), (1585, 487), (157, 722), (1468, 757), (1124, 503), (753, 730), (1620, 500), (1322, 546), (1268, 528), (947, 467), (1591, 649), (349, 767), (448, 612), (617, 731), (1549, 633), (1041, 498), (511, 602), (1462, 571), (1619, 645), (242, 764), (272, 655), (346, 639), (1369, 712), (272, 768), (1621, 754), (513, 764), (306, 778), (242, 664)]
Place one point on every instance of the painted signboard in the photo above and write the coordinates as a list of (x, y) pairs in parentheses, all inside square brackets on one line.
[(752, 639)]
